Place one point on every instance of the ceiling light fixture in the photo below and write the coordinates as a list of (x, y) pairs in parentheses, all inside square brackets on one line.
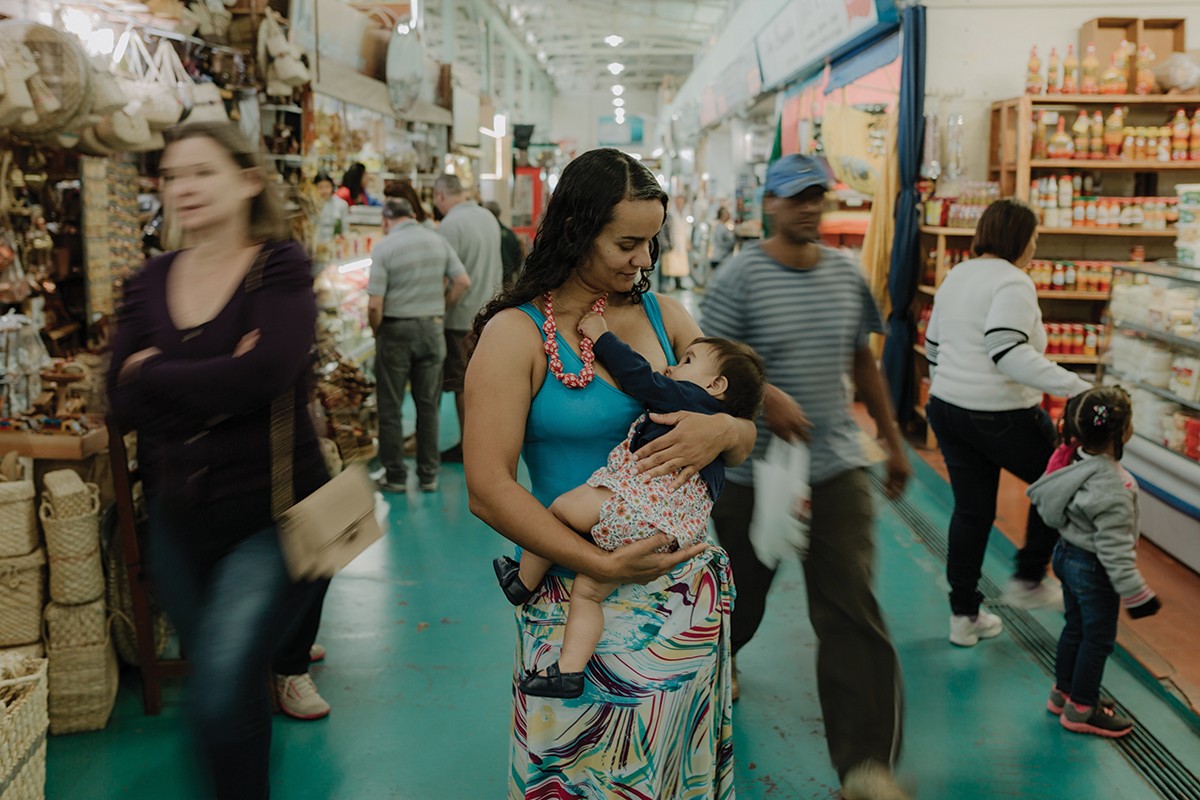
[(618, 102), (613, 40), (616, 68), (618, 90)]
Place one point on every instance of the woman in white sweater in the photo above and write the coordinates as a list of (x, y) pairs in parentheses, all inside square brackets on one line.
[(985, 345)]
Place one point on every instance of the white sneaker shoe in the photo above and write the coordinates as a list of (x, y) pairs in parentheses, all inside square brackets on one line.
[(967, 631), (1046, 593), (299, 698)]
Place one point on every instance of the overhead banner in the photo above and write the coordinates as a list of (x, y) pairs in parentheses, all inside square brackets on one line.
[(805, 30)]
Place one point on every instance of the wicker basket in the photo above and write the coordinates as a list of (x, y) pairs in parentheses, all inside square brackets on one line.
[(32, 650), (23, 722), (76, 572), (83, 687), (76, 626), (18, 519), (120, 600), (22, 595), (69, 496)]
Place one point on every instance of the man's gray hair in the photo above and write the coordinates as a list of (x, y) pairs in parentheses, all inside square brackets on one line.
[(397, 208), (450, 185)]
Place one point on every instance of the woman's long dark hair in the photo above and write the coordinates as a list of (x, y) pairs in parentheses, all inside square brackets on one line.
[(353, 180), (590, 188)]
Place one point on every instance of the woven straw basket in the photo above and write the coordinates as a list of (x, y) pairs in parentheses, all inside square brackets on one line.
[(18, 519), (69, 496), (120, 600), (31, 650), (22, 595), (76, 572), (76, 626), (23, 722), (83, 687)]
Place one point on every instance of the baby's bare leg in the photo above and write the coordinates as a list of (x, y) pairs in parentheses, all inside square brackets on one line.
[(585, 623), (578, 509)]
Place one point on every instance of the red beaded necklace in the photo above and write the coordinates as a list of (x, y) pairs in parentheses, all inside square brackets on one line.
[(550, 328)]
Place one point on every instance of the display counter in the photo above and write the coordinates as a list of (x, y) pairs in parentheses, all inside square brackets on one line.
[(1154, 352)]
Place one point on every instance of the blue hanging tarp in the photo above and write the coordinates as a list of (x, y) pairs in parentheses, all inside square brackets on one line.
[(863, 62), (905, 263)]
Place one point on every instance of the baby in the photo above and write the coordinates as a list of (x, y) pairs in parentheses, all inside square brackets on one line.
[(618, 505)]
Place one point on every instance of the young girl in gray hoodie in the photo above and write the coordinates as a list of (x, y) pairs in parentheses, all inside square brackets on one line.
[(1093, 501)]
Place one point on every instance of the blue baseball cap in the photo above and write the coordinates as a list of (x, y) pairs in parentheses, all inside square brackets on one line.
[(791, 175)]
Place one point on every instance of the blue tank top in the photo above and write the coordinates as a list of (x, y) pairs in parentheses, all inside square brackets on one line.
[(570, 432)]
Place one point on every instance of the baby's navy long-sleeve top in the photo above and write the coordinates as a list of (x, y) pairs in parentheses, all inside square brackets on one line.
[(660, 395)]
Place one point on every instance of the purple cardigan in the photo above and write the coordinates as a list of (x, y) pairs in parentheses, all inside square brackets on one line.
[(203, 417)]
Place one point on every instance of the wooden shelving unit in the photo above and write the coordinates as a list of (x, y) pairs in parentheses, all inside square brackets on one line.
[(1044, 295), (1010, 159)]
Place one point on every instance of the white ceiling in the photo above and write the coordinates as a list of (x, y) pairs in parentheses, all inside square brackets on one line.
[(661, 38)]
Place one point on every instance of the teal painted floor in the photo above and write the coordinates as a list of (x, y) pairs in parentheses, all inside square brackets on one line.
[(420, 651)]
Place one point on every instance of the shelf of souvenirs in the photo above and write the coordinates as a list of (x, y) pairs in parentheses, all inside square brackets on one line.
[(1168, 233)]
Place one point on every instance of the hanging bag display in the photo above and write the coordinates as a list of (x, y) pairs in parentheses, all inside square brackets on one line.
[(285, 59), (208, 105), (19, 67), (107, 96), (171, 73)]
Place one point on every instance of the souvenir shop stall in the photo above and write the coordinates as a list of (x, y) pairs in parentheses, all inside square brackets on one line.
[(86, 91)]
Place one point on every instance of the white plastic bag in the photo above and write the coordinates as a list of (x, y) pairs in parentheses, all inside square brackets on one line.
[(782, 502)]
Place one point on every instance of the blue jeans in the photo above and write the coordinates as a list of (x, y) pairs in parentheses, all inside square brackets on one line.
[(976, 446), (1092, 608), (231, 611)]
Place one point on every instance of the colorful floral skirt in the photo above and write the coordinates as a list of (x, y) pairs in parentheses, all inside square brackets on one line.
[(640, 508), (655, 721)]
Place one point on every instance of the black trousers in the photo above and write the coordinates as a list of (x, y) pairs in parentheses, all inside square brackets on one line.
[(858, 672), (976, 446), (292, 656)]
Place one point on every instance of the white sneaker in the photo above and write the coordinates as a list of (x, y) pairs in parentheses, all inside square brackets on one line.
[(871, 781), (299, 698), (967, 631), (1046, 593)]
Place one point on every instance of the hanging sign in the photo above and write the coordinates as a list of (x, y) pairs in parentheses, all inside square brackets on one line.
[(804, 31)]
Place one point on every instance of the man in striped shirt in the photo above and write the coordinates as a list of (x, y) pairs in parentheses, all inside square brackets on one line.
[(808, 312), (415, 277)]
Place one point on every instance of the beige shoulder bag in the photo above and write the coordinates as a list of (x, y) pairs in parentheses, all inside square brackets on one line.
[(328, 529)]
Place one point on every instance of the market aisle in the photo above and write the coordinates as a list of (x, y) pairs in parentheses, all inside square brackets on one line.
[(420, 647)]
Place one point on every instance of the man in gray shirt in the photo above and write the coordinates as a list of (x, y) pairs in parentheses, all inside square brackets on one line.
[(475, 235), (808, 312), (415, 277)]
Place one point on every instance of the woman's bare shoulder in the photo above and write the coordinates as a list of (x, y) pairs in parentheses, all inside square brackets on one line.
[(680, 325), (509, 324)]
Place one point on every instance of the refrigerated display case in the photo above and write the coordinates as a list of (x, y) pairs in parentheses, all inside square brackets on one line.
[(1153, 350)]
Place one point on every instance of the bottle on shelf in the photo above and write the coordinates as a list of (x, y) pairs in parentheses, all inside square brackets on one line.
[(1139, 145), (1164, 144), (1089, 72), (1082, 129), (1194, 149), (1053, 86), (1114, 79), (1065, 192), (1096, 141), (1181, 131), (1070, 81), (1039, 137), (1061, 145), (1114, 127), (1033, 73), (1151, 144), (1145, 80), (1128, 143)]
